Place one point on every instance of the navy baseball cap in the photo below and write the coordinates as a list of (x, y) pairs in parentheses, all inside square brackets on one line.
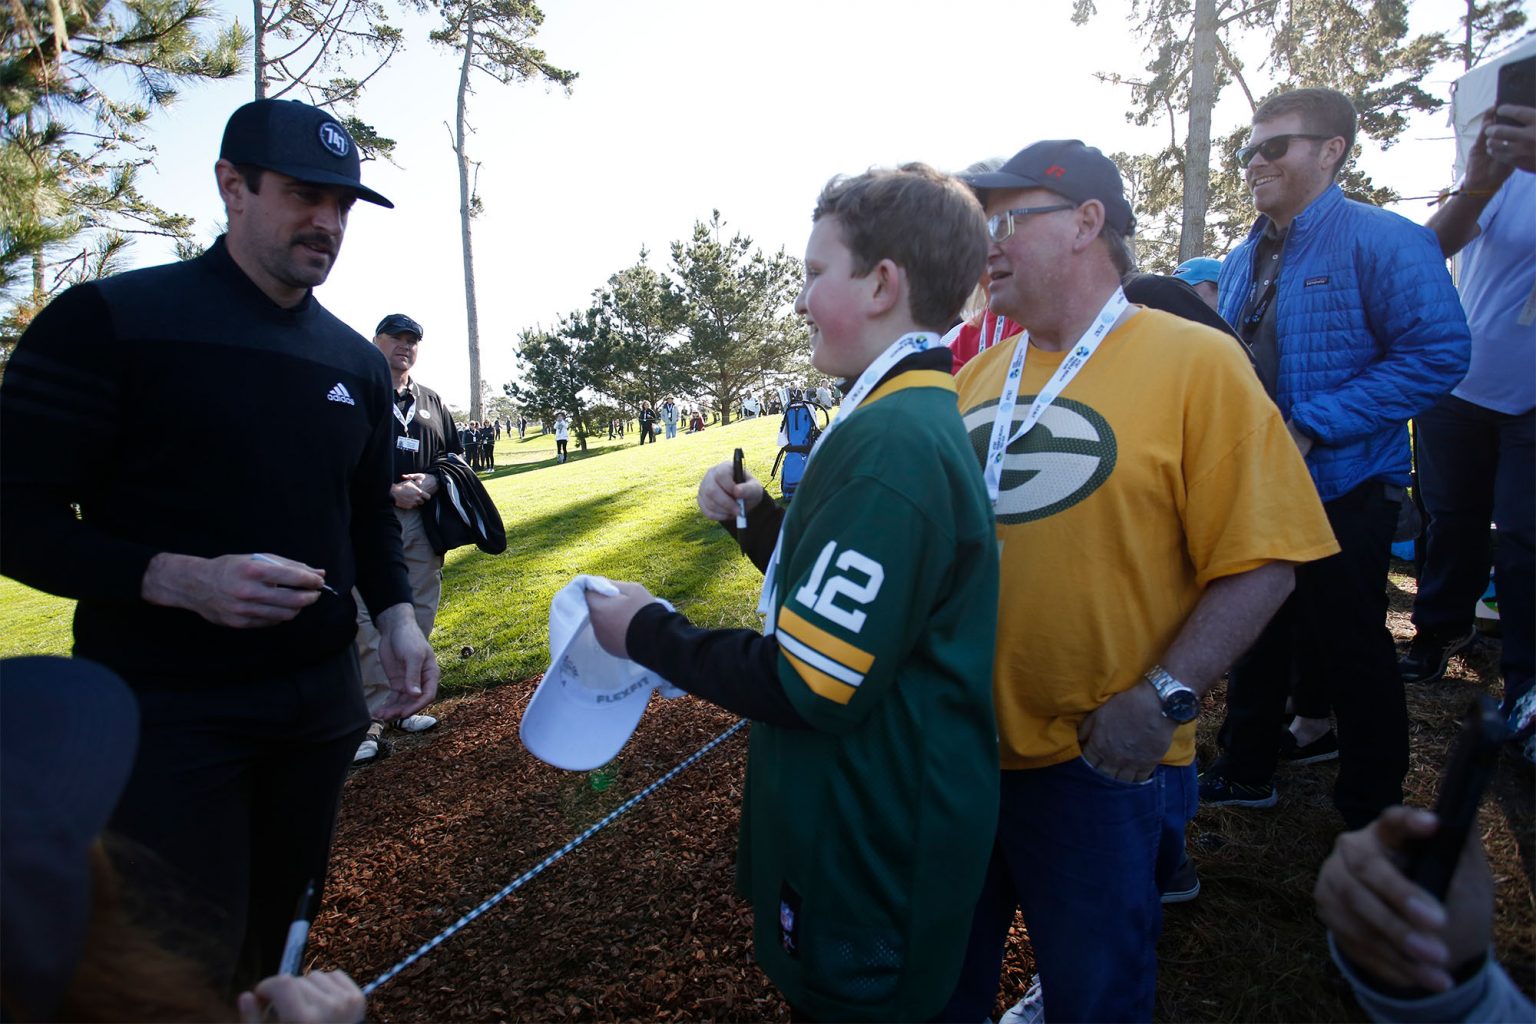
[(1198, 270), (1069, 168), (69, 731), (296, 139), (397, 322)]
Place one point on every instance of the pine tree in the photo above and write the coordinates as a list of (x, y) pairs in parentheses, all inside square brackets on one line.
[(735, 303), (1363, 49), (491, 37), (80, 81), (324, 52)]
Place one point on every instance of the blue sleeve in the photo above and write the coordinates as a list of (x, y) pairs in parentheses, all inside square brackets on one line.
[(1413, 311)]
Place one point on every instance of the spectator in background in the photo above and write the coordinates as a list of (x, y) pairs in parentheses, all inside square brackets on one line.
[(1201, 273), (487, 447), (1408, 956), (74, 945), (1354, 327), (1172, 295), (979, 328), (669, 416), (647, 422), (562, 434), (1477, 447), (423, 430)]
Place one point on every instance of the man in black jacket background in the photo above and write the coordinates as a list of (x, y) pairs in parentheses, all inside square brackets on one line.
[(423, 430)]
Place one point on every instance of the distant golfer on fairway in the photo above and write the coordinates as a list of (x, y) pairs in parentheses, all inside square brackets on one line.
[(872, 784)]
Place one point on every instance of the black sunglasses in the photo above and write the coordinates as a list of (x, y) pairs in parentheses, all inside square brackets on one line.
[(1272, 148)]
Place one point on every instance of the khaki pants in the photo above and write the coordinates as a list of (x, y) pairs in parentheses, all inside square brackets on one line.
[(425, 568)]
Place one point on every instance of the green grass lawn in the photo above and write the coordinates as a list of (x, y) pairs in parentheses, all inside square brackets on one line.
[(617, 509)]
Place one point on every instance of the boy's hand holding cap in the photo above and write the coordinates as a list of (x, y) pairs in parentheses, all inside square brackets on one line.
[(591, 697)]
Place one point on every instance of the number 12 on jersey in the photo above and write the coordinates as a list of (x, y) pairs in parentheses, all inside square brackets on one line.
[(821, 593)]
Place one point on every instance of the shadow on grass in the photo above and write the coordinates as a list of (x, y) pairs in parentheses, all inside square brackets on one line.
[(496, 606), (576, 455)]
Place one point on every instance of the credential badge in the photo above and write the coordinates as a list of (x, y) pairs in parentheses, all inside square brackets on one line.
[(334, 139)]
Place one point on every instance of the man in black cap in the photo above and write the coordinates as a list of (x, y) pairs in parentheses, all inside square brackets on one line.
[(1149, 506), (423, 431), (214, 570)]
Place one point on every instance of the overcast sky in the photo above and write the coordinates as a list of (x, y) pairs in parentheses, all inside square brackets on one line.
[(685, 106)]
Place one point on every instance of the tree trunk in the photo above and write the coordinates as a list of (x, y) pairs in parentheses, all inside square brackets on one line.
[(259, 53), (1197, 145), (1466, 46), (37, 278), (472, 313)]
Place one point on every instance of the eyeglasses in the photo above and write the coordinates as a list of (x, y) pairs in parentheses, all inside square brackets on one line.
[(1000, 225), (1272, 148)]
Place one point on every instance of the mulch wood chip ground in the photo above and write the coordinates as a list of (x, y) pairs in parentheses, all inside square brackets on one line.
[(642, 922)]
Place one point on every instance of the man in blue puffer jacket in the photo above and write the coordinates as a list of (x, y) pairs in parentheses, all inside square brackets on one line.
[(1355, 328)]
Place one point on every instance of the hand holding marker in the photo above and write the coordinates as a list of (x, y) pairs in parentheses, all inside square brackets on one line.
[(272, 561), (739, 475)]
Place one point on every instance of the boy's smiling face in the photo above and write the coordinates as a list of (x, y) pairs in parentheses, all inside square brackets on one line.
[(832, 300)]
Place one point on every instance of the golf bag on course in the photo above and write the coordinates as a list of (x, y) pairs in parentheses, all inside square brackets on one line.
[(797, 433)]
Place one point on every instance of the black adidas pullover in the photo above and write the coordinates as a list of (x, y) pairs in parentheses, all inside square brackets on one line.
[(181, 410)]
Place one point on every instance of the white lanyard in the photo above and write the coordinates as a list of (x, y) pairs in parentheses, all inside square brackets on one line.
[(1079, 355), (997, 332), (906, 345), (404, 417)]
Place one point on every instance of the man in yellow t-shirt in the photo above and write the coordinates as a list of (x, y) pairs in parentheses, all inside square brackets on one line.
[(1149, 507)]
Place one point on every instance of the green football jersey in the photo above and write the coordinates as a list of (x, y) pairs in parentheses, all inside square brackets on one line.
[(865, 838)]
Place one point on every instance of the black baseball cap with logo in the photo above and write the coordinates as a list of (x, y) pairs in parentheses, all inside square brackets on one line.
[(397, 323), (1068, 168), (296, 139)]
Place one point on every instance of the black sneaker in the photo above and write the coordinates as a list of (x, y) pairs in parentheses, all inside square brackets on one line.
[(1429, 652), (1220, 791), (1183, 885), (1324, 748)]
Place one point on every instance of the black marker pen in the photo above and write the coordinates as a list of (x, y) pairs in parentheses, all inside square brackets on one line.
[(298, 933), (739, 474)]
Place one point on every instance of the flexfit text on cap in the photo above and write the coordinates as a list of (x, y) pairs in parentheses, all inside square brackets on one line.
[(1068, 168), (397, 323), (296, 139), (589, 702), (1198, 270)]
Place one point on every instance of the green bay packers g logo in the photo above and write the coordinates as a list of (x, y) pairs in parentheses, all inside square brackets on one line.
[(1065, 458)]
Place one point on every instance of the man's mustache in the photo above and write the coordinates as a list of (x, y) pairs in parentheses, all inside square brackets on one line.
[(318, 240)]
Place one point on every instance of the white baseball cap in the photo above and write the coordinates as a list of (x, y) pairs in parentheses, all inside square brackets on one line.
[(589, 702)]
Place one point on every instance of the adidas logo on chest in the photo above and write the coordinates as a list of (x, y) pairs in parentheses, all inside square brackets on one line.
[(339, 393)]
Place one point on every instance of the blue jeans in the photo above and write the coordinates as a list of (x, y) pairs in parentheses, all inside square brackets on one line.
[(671, 430), (1477, 465), (1078, 852), (1181, 799)]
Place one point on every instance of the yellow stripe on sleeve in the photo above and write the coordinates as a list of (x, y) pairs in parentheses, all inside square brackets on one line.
[(819, 682), (819, 640)]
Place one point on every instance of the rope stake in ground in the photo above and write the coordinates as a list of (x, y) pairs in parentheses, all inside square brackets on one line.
[(527, 876)]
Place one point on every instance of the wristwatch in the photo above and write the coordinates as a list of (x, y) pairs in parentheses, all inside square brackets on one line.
[(1180, 704)]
